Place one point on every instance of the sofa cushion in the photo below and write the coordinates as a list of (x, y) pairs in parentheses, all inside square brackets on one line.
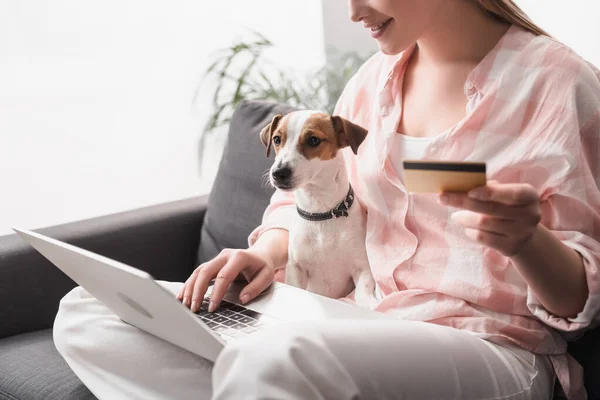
[(32, 369), (239, 197)]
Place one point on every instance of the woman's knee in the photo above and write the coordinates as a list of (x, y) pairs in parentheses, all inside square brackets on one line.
[(265, 357), (292, 360), (266, 352), (79, 316)]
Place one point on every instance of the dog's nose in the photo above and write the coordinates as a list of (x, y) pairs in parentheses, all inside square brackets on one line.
[(282, 174)]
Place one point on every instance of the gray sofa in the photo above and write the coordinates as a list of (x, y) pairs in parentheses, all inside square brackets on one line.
[(168, 241)]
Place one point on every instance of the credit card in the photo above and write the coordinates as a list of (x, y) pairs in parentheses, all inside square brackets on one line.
[(440, 176)]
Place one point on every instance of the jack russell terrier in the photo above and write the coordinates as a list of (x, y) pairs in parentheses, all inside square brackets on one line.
[(327, 252)]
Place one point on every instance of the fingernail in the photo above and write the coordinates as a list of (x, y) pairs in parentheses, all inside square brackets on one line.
[(244, 299), (211, 306), (194, 306), (458, 214), (186, 301)]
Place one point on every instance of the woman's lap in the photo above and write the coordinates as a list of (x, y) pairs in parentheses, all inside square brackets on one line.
[(118, 361), (382, 360), (335, 359)]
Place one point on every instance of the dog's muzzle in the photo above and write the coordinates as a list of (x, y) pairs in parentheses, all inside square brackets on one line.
[(282, 176)]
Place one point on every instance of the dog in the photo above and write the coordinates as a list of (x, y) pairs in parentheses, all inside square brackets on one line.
[(327, 253)]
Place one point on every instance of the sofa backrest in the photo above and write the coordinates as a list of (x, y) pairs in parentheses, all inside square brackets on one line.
[(239, 195)]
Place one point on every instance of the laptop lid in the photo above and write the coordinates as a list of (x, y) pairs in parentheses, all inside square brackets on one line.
[(131, 294)]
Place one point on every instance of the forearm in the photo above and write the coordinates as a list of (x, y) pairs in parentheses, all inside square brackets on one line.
[(273, 244), (554, 272)]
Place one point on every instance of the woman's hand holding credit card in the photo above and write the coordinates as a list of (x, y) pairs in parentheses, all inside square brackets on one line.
[(501, 216)]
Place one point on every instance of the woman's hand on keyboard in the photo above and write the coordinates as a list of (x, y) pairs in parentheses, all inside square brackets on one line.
[(256, 265)]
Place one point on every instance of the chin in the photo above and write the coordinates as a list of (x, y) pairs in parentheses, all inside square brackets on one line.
[(388, 52), (390, 48), (284, 187)]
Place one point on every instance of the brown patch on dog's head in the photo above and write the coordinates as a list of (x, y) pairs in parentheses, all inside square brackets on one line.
[(349, 134), (332, 134), (266, 135), (318, 128)]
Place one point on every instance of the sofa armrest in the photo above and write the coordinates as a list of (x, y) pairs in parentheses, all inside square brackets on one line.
[(161, 239)]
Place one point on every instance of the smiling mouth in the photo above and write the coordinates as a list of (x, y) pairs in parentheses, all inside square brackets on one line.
[(380, 26)]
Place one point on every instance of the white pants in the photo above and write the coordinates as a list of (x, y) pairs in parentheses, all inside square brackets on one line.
[(325, 360)]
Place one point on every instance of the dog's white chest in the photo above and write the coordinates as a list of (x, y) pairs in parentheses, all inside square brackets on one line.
[(329, 252)]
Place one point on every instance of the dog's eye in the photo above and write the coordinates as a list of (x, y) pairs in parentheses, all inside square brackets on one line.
[(276, 140), (314, 141)]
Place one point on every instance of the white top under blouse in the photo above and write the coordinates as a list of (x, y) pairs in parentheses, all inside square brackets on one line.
[(407, 148)]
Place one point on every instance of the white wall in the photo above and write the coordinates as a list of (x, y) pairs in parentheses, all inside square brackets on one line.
[(574, 22), (343, 34), (96, 110), (95, 97)]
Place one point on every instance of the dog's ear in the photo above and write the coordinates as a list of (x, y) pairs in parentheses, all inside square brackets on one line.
[(266, 134), (349, 134)]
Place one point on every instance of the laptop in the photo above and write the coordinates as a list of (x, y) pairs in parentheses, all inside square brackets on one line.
[(135, 297)]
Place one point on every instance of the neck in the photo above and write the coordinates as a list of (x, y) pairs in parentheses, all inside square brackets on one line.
[(462, 33), (326, 192)]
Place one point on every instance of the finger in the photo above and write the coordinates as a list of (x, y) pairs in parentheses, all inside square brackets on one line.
[(512, 194), (228, 274), (181, 292), (501, 226), (497, 209), (186, 296), (203, 275), (191, 281), (261, 281), (501, 243)]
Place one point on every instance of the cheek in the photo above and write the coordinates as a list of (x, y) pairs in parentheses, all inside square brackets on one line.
[(411, 19), (308, 168), (408, 12), (329, 152), (389, 7)]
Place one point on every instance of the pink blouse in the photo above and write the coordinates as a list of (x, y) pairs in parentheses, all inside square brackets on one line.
[(533, 116)]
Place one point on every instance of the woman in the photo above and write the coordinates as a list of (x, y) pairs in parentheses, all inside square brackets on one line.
[(485, 285)]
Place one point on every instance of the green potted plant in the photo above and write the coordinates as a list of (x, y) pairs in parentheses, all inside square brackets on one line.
[(241, 71)]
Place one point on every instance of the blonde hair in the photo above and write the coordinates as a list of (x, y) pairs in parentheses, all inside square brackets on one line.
[(508, 11)]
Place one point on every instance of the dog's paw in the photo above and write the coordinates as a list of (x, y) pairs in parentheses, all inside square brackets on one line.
[(365, 300)]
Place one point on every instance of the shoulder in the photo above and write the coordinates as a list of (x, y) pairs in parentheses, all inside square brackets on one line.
[(559, 60), (545, 80), (556, 74), (361, 90), (372, 68), (558, 94)]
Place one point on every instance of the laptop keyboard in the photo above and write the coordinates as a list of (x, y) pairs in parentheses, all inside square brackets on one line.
[(231, 321)]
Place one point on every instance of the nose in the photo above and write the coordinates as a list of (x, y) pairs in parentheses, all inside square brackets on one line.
[(282, 174), (355, 9)]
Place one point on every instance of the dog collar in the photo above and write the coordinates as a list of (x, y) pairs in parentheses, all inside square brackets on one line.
[(341, 210)]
